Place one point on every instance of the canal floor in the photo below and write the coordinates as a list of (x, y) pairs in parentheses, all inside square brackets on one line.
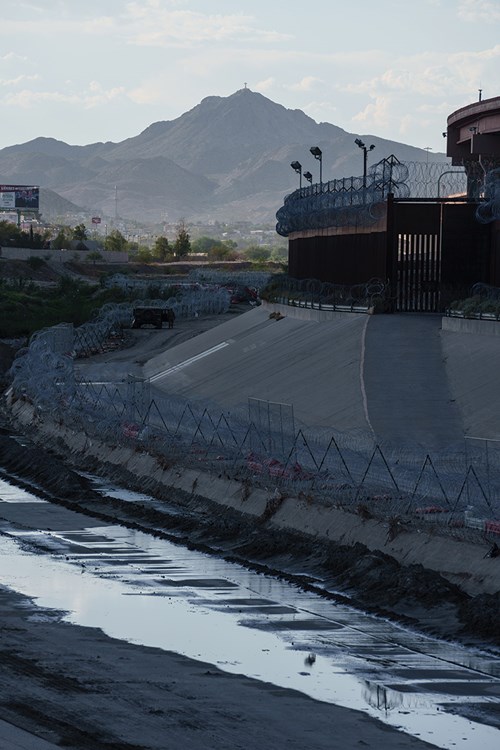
[(153, 592)]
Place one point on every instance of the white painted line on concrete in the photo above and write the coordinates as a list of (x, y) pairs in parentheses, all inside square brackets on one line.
[(98, 382), (362, 375), (189, 361)]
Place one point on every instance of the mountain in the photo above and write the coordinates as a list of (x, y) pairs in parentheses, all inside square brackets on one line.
[(226, 159)]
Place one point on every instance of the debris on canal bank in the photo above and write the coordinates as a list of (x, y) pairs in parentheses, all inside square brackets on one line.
[(345, 567)]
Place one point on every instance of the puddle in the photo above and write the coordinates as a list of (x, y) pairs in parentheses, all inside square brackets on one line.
[(11, 494), (155, 593)]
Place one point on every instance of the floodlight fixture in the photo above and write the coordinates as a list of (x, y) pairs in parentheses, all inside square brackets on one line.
[(308, 177), (318, 154), (365, 150), (297, 167)]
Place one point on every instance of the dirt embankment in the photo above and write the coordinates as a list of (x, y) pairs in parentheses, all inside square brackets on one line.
[(366, 578)]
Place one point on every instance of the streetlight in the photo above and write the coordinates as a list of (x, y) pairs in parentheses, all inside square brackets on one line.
[(297, 167), (318, 154), (308, 177), (361, 145)]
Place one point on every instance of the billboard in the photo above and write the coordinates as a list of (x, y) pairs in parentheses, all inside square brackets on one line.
[(19, 196)]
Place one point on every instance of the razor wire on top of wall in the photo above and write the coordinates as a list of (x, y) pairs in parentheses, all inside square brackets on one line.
[(360, 201), (489, 209)]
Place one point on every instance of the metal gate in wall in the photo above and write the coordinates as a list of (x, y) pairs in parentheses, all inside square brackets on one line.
[(437, 251), (418, 272)]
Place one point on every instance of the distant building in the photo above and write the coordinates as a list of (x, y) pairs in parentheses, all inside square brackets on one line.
[(473, 141)]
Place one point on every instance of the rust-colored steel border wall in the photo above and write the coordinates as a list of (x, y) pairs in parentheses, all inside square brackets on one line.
[(341, 259), (430, 251)]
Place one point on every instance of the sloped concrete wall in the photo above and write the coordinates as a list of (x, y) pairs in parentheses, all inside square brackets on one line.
[(462, 563)]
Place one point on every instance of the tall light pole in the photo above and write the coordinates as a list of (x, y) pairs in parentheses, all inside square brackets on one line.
[(318, 154), (297, 167), (361, 145)]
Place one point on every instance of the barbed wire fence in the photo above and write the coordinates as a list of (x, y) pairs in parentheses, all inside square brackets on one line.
[(260, 444)]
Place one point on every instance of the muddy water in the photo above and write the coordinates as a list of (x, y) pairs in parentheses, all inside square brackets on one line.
[(156, 593)]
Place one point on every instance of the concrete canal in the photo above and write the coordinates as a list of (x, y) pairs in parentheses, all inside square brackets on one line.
[(153, 592)]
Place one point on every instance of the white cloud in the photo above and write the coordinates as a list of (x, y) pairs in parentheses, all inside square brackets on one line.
[(95, 96), (150, 92), (19, 79), (12, 56), (264, 86), (305, 84), (149, 23), (377, 113), (479, 11), (153, 24), (430, 75)]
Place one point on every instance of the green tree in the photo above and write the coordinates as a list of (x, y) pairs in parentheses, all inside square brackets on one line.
[(10, 234), (182, 245), (258, 253), (143, 255), (35, 262), (94, 255), (80, 233), (279, 253), (62, 239), (161, 249), (221, 251), (115, 242), (203, 244)]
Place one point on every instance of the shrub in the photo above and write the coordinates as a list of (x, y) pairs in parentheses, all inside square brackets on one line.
[(35, 262)]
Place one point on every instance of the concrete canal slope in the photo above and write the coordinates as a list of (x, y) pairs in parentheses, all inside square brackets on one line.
[(312, 364), (207, 500), (401, 379), (339, 371), (471, 354), (409, 396)]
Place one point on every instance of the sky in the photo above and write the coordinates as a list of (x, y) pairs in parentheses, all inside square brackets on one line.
[(104, 70)]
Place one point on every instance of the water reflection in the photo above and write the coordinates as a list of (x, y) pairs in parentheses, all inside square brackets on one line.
[(155, 593)]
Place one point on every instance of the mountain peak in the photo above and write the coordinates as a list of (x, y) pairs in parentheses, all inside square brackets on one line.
[(227, 157)]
